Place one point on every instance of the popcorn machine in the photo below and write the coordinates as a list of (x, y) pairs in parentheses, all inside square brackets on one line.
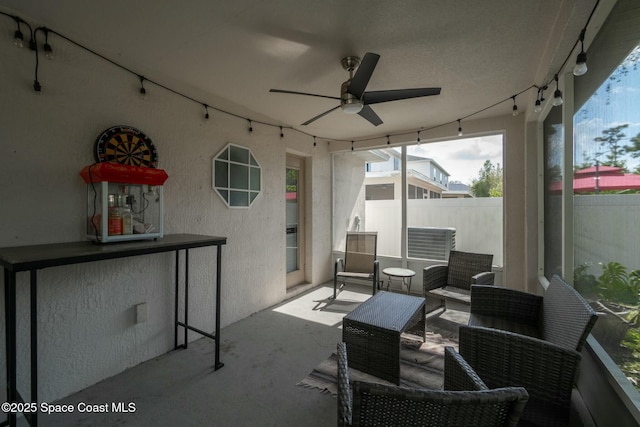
[(123, 202)]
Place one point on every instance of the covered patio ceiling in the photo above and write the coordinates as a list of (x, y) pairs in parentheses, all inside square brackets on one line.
[(229, 54)]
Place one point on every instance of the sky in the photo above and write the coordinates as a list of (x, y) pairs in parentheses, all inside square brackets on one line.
[(462, 158), (607, 109)]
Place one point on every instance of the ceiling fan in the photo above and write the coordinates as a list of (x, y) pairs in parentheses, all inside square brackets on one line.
[(353, 98)]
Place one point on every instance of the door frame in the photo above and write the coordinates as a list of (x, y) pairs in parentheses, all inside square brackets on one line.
[(297, 277)]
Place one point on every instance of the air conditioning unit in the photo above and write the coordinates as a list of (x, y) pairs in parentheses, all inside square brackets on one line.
[(431, 242)]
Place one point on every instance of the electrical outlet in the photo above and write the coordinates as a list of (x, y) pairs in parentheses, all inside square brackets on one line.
[(141, 312)]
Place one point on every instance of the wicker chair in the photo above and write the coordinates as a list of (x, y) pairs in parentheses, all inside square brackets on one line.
[(360, 261), (466, 401), (453, 281), (516, 338)]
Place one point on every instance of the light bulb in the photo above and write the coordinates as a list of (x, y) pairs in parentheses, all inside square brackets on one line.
[(515, 110), (352, 107), (581, 64), (538, 106), (557, 97), (18, 39), (48, 51)]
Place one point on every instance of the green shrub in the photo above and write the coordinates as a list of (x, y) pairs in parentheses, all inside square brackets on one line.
[(613, 285)]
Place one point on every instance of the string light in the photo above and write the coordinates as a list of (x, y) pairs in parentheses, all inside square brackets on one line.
[(515, 107), (48, 50), (581, 62), (388, 140), (352, 146), (538, 106), (206, 111), (418, 138), (19, 41), (557, 95), (18, 38), (143, 91), (281, 133)]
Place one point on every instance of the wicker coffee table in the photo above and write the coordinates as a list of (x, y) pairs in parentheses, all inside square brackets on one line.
[(372, 332)]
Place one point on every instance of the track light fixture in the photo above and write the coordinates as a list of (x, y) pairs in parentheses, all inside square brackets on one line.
[(557, 95), (515, 107), (143, 91), (581, 61), (459, 128)]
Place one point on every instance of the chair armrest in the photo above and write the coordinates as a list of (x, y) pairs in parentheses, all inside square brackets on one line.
[(434, 276), (509, 304), (502, 359), (484, 278), (378, 404), (458, 374), (344, 389), (339, 266)]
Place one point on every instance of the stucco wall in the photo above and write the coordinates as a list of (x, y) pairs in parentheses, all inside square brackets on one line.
[(86, 315)]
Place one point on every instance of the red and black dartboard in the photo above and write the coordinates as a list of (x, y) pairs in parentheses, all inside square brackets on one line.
[(127, 146)]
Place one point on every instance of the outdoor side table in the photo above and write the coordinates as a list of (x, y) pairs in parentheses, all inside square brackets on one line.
[(403, 274), (372, 332)]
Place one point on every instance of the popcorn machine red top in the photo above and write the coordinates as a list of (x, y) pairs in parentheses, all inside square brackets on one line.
[(124, 202)]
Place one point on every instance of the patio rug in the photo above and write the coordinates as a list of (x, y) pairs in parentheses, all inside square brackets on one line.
[(421, 366)]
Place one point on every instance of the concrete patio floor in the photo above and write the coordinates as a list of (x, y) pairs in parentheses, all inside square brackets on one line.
[(264, 356)]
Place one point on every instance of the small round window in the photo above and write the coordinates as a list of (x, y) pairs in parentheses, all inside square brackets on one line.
[(237, 177)]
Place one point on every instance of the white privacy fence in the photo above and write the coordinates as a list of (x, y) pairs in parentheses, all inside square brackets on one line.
[(478, 222), (607, 228)]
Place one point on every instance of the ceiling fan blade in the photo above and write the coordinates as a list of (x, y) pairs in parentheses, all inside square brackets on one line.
[(311, 120), (291, 92), (363, 74), (379, 96), (368, 113)]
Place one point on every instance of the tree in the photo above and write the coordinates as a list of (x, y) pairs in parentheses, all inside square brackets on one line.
[(611, 140), (489, 183), (634, 148)]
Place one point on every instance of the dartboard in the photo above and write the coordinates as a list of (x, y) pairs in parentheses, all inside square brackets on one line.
[(127, 146)]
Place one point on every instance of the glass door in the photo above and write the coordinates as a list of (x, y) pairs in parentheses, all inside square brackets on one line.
[(294, 228)]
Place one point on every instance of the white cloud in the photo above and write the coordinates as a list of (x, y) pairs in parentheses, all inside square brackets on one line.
[(463, 158)]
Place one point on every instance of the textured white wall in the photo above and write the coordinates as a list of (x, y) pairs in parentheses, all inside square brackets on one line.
[(86, 312)]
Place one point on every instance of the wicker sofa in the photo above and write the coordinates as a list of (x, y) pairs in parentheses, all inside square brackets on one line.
[(453, 281), (466, 400), (516, 338)]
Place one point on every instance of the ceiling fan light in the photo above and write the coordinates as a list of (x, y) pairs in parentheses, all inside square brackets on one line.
[(352, 106)]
